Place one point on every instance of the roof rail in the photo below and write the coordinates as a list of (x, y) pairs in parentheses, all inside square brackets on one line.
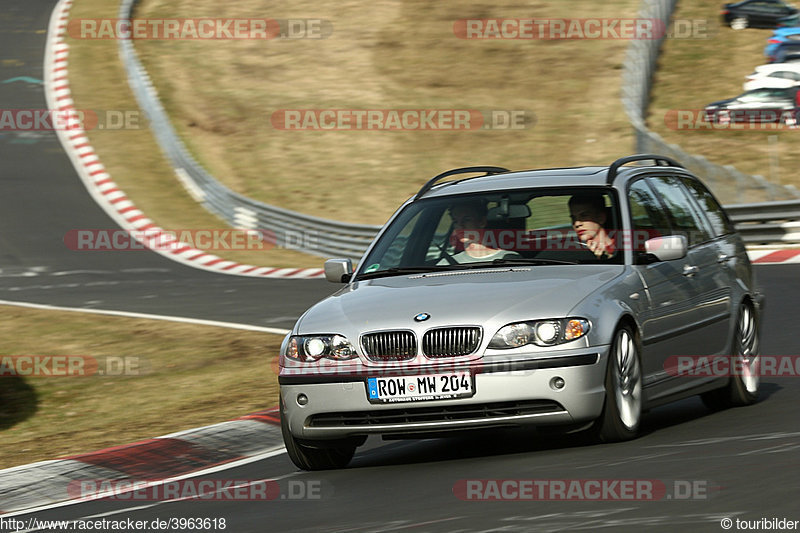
[(466, 170), (660, 160)]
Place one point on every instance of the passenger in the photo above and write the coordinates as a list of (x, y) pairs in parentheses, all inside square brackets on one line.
[(469, 232), (589, 216)]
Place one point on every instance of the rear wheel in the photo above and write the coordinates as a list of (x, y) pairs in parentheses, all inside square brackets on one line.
[(742, 387), (622, 411), (317, 455), (739, 23)]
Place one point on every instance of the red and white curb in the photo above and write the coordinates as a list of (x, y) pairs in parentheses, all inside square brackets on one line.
[(103, 188), (762, 257), (174, 457)]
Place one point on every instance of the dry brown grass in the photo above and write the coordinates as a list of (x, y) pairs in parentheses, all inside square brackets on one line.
[(191, 376), (384, 55), (695, 72), (132, 157)]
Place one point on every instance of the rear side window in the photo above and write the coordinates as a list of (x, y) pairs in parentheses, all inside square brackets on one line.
[(713, 211)]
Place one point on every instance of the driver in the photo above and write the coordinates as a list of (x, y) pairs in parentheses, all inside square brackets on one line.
[(589, 216)]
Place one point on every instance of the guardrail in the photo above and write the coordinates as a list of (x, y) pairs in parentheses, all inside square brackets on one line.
[(760, 223), (768, 222), (306, 233), (728, 184)]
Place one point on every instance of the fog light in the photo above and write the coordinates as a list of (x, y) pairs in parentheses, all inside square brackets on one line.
[(557, 383), (302, 399)]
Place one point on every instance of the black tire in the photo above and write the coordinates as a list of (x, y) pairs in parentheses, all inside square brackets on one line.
[(740, 23), (742, 387), (317, 455), (622, 411)]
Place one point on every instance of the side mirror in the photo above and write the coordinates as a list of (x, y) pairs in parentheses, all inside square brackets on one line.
[(667, 248), (338, 270)]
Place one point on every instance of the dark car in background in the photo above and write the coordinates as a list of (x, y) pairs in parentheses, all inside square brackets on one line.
[(759, 106), (757, 13), (785, 53)]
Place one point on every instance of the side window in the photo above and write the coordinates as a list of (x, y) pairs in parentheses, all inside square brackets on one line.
[(647, 216), (713, 211), (683, 216)]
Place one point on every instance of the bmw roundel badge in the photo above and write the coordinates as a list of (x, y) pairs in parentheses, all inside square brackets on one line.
[(422, 317)]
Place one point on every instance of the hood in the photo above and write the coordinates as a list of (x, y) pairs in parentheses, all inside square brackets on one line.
[(465, 297)]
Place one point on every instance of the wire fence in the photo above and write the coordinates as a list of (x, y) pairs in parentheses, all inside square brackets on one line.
[(298, 231)]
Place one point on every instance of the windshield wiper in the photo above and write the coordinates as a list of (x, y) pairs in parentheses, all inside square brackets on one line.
[(525, 261), (398, 271)]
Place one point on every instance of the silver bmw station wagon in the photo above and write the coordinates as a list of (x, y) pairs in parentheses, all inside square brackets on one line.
[(568, 297)]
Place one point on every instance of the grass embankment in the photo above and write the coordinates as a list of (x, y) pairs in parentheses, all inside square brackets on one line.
[(132, 156), (695, 72), (180, 376), (404, 55)]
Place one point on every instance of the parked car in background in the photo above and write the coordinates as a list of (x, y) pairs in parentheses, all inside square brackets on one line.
[(773, 75), (787, 57), (784, 50), (781, 35), (757, 13), (757, 106), (791, 21), (425, 340)]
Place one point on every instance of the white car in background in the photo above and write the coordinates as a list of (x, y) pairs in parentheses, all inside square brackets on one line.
[(773, 76)]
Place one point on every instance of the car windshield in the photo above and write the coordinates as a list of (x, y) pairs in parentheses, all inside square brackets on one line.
[(500, 229)]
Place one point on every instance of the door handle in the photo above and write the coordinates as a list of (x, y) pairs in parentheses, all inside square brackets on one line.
[(723, 258), (690, 270)]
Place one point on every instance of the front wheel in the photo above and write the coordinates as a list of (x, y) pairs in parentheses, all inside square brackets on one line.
[(622, 411), (742, 387), (316, 455)]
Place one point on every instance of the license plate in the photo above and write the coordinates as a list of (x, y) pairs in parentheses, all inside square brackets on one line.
[(420, 388)]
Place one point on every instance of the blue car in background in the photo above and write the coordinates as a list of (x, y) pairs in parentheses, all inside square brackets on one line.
[(780, 36)]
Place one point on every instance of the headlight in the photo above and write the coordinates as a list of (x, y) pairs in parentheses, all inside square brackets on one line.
[(539, 332), (309, 348)]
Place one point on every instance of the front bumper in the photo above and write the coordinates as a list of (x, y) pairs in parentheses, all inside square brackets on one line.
[(506, 394)]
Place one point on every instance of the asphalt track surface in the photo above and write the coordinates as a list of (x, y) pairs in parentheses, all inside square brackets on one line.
[(42, 198), (744, 462)]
